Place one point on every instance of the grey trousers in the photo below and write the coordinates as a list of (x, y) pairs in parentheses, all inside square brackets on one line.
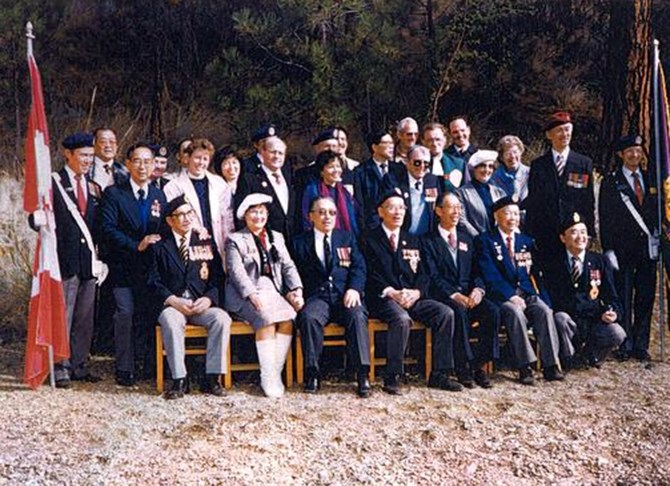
[(215, 320), (602, 336), (540, 318)]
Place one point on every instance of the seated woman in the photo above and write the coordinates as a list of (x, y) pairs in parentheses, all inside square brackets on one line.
[(226, 164), (329, 167), (263, 287), (478, 195), (511, 176)]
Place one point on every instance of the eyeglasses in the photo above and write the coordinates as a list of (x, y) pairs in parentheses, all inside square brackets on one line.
[(144, 162), (183, 215), (418, 163), (326, 212)]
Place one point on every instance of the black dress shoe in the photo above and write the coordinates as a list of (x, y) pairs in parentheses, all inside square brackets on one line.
[(176, 389), (212, 385), (552, 373), (482, 378), (621, 355), (642, 355), (466, 378), (63, 382), (312, 385), (125, 378), (87, 378), (364, 389), (392, 385), (441, 380), (526, 376)]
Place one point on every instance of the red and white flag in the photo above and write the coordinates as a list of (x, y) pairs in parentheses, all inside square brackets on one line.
[(46, 317)]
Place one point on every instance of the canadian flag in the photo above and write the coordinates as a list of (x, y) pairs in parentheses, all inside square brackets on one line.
[(46, 318)]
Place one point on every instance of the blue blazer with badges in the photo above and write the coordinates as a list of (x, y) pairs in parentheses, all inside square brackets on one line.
[(593, 293), (403, 269), (446, 276), (348, 265), (369, 186), (501, 275), (432, 192), (120, 230), (552, 199), (168, 275)]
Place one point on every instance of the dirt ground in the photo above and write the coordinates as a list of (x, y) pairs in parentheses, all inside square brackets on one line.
[(608, 426)]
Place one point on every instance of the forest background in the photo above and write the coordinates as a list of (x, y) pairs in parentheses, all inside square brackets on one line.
[(167, 69)]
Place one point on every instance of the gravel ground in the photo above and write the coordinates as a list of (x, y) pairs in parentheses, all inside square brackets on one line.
[(608, 426)]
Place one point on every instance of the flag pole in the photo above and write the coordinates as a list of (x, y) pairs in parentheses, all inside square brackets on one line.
[(29, 45), (659, 186)]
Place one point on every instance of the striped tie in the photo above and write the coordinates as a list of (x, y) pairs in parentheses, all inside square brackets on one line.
[(560, 165), (575, 271), (183, 250)]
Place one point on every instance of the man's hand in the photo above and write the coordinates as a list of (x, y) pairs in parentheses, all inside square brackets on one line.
[(256, 301), (609, 317), (294, 298), (185, 306), (201, 305), (460, 299), (518, 301), (148, 240), (476, 297), (351, 298), (412, 296)]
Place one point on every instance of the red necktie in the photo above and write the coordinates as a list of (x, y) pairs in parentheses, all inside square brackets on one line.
[(81, 194), (452, 241), (277, 177), (637, 185), (510, 248), (392, 241)]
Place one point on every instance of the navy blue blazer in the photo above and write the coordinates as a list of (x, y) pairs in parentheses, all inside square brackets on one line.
[(120, 231), (593, 293), (446, 277), (348, 265), (167, 275), (501, 275), (369, 186), (432, 191), (403, 269)]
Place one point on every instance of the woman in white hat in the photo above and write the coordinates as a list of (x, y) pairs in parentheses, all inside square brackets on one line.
[(263, 287)]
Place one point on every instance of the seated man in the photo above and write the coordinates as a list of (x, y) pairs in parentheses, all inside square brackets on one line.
[(183, 273), (506, 262), (397, 292), (332, 270), (455, 280), (583, 295)]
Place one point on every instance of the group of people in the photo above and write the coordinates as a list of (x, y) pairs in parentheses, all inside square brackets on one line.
[(466, 241)]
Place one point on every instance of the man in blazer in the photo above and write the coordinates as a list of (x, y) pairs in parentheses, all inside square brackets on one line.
[(75, 200), (208, 193), (420, 189), (560, 184), (333, 272), (506, 262), (183, 273), (131, 220), (272, 177), (454, 279), (461, 148), (583, 295), (629, 232), (397, 291), (105, 170)]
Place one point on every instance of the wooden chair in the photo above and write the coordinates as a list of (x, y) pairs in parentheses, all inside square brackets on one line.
[(375, 325), (333, 335), (237, 328)]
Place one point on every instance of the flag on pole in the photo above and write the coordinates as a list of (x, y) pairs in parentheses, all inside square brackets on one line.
[(47, 326), (663, 140)]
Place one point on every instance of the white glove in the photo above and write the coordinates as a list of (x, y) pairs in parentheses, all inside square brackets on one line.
[(611, 258), (100, 271), (39, 218)]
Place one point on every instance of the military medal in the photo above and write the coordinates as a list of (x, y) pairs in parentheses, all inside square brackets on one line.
[(413, 258), (204, 271), (156, 209), (498, 249), (344, 256), (594, 292), (430, 194), (594, 276)]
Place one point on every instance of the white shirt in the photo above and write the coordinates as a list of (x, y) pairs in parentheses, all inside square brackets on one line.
[(628, 174), (437, 169), (101, 177), (178, 237), (580, 256), (318, 245), (136, 188), (564, 153), (505, 236), (74, 182), (445, 236), (281, 189), (379, 163)]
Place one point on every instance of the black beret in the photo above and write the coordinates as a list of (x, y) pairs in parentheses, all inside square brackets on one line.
[(264, 131), (570, 221), (388, 195), (176, 203), (159, 150), (77, 140), (556, 119), (504, 202), (327, 134), (629, 141)]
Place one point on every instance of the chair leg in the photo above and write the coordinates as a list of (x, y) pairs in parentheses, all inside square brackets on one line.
[(228, 377), (371, 337), (159, 360), (299, 360), (429, 352), (289, 368)]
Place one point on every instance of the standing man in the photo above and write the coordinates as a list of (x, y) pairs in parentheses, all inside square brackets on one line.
[(184, 272), (161, 154), (407, 133), (560, 184), (506, 261), (397, 288), (332, 270), (629, 233), (460, 148), (105, 171), (450, 169), (131, 220), (263, 132)]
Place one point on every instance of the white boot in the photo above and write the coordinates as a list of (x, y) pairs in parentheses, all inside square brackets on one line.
[(282, 347), (266, 360)]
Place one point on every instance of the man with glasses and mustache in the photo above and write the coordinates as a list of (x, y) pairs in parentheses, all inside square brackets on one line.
[(333, 272)]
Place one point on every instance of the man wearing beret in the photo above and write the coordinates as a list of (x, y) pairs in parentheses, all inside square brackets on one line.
[(263, 132), (183, 274), (583, 296), (76, 200), (105, 171), (560, 184), (132, 218), (397, 292), (161, 154), (506, 260), (629, 236)]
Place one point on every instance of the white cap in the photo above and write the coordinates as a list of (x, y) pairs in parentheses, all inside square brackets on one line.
[(481, 156), (252, 200)]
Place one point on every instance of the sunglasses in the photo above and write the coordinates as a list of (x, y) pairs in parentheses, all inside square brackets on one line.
[(419, 162)]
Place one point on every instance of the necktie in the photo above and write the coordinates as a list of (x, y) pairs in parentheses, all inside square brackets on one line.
[(142, 205), (637, 185), (140, 195), (277, 177), (264, 258), (560, 165), (183, 250), (326, 252), (451, 239), (81, 194), (393, 243), (384, 168), (510, 248), (417, 185), (575, 271), (108, 169)]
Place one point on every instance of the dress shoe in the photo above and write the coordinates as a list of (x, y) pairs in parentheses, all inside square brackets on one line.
[(312, 385), (466, 378), (364, 389), (176, 389), (621, 356), (526, 376), (642, 355), (552, 373), (212, 385), (125, 378), (63, 382), (392, 385), (441, 380), (87, 378), (482, 378)]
